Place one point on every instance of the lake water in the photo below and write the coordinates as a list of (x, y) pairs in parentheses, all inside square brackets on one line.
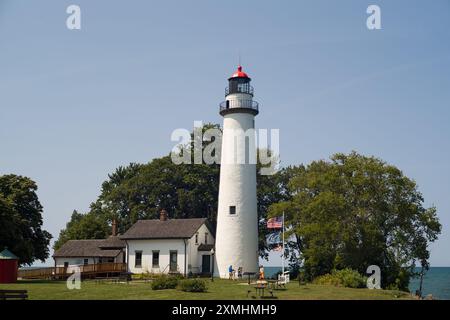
[(435, 282)]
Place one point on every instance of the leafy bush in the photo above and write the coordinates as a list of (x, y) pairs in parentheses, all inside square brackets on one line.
[(342, 278), (328, 279), (351, 278), (141, 276), (165, 282), (193, 285)]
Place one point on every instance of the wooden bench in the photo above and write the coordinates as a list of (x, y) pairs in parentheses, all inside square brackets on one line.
[(276, 284), (13, 294), (259, 288)]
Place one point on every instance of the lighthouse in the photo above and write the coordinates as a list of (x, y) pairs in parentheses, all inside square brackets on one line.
[(237, 216)]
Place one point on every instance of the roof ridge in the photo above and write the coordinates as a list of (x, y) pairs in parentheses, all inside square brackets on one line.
[(157, 229), (157, 219)]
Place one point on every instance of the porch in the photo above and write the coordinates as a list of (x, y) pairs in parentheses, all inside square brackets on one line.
[(87, 271)]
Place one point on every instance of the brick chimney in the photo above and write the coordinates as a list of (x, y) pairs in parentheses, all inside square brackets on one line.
[(114, 228), (163, 216)]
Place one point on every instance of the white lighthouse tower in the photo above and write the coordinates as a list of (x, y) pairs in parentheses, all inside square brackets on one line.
[(237, 217)]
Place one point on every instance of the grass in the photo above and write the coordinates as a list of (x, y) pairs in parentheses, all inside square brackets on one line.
[(217, 290)]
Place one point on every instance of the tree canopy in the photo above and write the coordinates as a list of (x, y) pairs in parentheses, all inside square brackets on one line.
[(21, 220), (350, 212), (355, 211), (140, 191), (83, 226)]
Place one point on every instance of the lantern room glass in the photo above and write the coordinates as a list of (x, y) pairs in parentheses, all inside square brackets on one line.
[(239, 85)]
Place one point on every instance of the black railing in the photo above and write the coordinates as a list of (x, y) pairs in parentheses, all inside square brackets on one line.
[(239, 89), (245, 104)]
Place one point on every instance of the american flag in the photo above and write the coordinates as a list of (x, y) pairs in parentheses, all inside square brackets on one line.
[(275, 223)]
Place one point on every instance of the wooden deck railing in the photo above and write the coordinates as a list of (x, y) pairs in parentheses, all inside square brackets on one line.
[(40, 273), (61, 272)]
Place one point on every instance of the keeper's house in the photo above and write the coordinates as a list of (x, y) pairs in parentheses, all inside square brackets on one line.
[(90, 252), (169, 246)]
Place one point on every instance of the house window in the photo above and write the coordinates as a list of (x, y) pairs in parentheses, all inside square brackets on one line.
[(155, 259), (66, 264), (196, 238), (138, 259), (232, 209), (206, 238), (86, 261), (173, 261)]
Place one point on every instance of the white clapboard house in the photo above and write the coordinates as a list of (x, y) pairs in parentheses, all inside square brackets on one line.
[(90, 252), (170, 246)]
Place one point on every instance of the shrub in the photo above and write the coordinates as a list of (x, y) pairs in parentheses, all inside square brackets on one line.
[(328, 279), (301, 277), (342, 278), (165, 282), (351, 278), (193, 285)]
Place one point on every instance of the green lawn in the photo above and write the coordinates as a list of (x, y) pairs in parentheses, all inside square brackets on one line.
[(219, 289)]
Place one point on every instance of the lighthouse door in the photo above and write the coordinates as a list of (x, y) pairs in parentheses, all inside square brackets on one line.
[(206, 263)]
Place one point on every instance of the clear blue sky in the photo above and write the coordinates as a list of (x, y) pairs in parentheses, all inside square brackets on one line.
[(74, 105)]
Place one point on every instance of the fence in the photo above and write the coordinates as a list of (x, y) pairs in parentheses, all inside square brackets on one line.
[(64, 272)]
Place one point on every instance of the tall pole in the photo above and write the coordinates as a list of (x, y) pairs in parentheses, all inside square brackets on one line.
[(282, 253), (212, 267)]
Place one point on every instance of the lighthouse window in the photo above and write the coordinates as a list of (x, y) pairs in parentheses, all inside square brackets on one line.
[(232, 209), (243, 87)]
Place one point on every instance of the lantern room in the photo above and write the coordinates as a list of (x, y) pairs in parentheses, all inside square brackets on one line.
[(239, 82)]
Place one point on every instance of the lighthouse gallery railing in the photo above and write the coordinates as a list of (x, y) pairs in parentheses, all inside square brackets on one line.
[(247, 104)]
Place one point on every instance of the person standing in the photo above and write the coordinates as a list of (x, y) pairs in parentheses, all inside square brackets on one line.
[(261, 273), (230, 272)]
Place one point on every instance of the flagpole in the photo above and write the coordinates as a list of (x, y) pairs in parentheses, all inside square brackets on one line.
[(282, 253)]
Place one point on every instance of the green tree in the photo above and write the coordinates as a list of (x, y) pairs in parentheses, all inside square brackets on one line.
[(84, 226), (271, 189), (140, 191), (355, 211), (21, 219)]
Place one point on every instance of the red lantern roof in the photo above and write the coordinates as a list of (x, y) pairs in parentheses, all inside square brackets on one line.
[(239, 73)]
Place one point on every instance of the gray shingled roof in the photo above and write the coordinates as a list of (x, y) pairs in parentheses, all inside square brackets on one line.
[(169, 229), (205, 247), (113, 242), (85, 248)]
